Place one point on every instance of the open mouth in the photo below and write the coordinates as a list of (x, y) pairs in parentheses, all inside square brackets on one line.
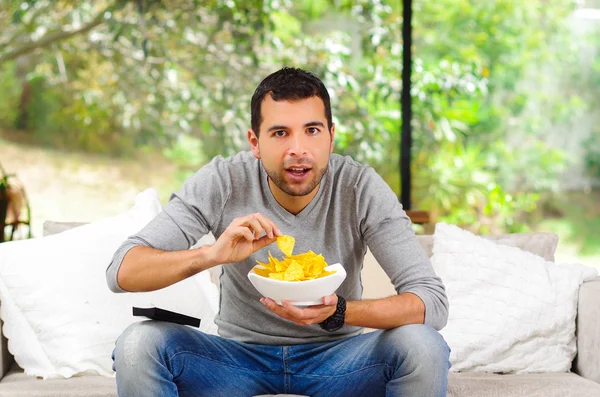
[(298, 171)]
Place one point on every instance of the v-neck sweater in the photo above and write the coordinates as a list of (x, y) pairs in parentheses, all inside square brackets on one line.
[(353, 209)]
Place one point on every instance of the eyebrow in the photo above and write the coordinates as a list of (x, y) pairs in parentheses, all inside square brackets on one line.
[(309, 124)]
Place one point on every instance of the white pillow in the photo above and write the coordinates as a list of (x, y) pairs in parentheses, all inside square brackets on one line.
[(59, 316), (510, 310)]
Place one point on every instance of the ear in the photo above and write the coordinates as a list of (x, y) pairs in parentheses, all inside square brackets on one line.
[(332, 137), (253, 139)]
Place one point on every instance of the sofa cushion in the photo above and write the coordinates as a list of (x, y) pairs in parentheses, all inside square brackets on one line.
[(52, 227), (17, 384), (540, 244), (510, 311), (587, 362), (525, 385), (59, 316)]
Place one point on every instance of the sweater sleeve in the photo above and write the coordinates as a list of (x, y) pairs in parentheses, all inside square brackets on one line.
[(388, 233), (190, 214)]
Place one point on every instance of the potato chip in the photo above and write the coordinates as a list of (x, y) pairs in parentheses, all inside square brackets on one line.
[(277, 276), (262, 272), (286, 244), (294, 271), (306, 266)]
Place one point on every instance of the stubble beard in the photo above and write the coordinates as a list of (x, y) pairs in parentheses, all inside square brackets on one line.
[(278, 178)]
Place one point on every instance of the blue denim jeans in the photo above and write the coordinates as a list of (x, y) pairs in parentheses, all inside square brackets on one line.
[(153, 358)]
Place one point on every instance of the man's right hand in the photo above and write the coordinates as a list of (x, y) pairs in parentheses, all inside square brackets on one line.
[(242, 238)]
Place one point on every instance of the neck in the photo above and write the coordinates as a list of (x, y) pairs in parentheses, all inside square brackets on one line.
[(292, 204)]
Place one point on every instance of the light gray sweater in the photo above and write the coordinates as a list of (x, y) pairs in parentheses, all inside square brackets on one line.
[(354, 208)]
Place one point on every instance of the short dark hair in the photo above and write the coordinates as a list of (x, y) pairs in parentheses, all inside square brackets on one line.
[(290, 84)]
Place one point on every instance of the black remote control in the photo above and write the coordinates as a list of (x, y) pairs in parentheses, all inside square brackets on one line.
[(156, 313)]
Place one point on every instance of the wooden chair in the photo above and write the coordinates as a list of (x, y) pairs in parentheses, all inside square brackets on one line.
[(418, 217), (15, 211)]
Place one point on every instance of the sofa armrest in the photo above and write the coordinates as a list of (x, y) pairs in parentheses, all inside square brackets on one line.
[(6, 359), (587, 362)]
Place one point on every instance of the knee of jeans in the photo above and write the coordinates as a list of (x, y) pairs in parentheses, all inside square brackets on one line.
[(140, 341), (420, 345)]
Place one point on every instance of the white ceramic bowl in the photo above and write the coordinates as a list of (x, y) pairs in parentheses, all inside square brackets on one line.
[(299, 293)]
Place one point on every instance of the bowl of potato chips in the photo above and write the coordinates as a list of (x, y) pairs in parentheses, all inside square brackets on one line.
[(302, 279)]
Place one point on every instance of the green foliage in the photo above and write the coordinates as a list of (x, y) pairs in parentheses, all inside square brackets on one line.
[(158, 70), (482, 109), (187, 155), (592, 155), (9, 100), (577, 221), (41, 113), (461, 185), (178, 75)]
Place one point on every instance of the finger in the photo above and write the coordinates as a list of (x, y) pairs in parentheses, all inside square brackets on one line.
[(268, 225), (242, 231), (263, 242), (274, 307), (254, 225), (308, 314), (297, 320), (296, 311), (330, 300), (250, 222)]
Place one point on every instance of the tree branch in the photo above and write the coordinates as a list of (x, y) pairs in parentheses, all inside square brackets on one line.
[(20, 31), (51, 38)]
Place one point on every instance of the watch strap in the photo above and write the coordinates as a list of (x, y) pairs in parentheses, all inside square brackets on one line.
[(336, 320)]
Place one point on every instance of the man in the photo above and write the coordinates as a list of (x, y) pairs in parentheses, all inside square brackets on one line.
[(290, 183)]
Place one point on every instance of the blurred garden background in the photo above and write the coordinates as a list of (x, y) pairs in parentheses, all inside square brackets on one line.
[(102, 99)]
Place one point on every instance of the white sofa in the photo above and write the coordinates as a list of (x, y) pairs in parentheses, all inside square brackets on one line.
[(583, 381)]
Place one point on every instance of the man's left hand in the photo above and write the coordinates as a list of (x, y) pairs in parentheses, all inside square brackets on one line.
[(303, 316)]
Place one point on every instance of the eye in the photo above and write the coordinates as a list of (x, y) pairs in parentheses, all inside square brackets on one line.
[(279, 133), (313, 130)]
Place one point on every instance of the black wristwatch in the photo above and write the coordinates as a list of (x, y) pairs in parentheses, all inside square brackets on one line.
[(336, 320)]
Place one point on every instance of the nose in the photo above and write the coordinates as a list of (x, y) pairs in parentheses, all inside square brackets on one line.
[(297, 145)]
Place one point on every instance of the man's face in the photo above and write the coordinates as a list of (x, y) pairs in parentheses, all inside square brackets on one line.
[(294, 143)]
